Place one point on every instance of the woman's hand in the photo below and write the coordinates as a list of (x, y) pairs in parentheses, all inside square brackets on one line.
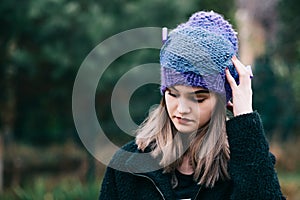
[(242, 93)]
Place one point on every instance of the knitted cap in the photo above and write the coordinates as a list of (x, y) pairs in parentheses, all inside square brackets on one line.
[(197, 53)]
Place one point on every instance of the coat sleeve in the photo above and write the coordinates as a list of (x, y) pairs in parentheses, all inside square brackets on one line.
[(109, 188), (251, 165)]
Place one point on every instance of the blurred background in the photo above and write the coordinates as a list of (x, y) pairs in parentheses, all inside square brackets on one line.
[(44, 42)]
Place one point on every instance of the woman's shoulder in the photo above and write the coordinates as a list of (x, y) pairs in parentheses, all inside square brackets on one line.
[(130, 146), (251, 122), (244, 117), (130, 159), (123, 153)]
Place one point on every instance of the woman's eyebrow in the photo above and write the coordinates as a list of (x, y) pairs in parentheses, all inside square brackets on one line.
[(200, 92), (173, 88)]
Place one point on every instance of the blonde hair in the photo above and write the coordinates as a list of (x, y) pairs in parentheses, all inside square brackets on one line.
[(208, 148)]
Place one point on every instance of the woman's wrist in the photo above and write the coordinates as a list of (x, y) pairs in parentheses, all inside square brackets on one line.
[(242, 112)]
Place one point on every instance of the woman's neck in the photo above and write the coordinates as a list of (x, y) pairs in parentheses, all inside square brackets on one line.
[(185, 167)]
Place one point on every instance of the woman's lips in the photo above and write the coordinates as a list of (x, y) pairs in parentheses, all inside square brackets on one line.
[(183, 120)]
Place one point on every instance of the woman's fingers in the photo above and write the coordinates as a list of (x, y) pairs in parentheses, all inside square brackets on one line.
[(244, 73), (230, 79), (242, 93), (248, 67)]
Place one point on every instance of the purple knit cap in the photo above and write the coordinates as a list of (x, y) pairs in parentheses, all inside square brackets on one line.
[(197, 53)]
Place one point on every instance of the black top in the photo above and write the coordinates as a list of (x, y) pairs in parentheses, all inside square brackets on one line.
[(251, 169), (186, 188)]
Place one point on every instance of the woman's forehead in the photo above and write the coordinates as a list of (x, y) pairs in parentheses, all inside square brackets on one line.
[(188, 89)]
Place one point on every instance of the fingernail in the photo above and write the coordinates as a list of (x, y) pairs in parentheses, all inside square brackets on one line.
[(164, 34), (226, 68), (248, 67)]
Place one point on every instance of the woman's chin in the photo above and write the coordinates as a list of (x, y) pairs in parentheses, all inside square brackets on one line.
[(185, 130)]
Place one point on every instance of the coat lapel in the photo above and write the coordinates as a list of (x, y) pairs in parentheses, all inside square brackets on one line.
[(143, 164)]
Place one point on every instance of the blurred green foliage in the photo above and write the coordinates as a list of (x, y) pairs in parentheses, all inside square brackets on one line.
[(289, 46), (277, 84), (68, 189), (43, 44)]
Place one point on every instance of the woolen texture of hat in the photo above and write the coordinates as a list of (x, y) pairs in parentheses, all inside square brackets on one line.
[(197, 52)]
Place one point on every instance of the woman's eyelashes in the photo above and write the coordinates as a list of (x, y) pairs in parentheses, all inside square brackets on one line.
[(172, 94), (199, 100)]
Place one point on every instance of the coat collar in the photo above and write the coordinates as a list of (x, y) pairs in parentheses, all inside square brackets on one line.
[(143, 164)]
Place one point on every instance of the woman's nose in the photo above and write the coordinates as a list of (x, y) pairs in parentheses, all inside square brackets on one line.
[(183, 107)]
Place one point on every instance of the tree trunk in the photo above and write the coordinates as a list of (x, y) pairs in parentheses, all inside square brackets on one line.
[(257, 26), (7, 115)]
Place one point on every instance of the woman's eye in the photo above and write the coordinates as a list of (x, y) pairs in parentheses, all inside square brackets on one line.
[(172, 94), (198, 100)]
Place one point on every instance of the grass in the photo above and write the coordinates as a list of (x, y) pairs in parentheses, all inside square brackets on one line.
[(73, 189), (67, 189), (288, 165), (290, 184), (69, 185)]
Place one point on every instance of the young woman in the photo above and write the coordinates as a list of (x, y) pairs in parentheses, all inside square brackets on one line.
[(188, 148)]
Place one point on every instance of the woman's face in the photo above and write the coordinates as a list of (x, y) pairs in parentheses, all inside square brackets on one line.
[(189, 108)]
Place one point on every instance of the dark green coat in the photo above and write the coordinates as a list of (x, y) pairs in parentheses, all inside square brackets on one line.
[(251, 168)]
